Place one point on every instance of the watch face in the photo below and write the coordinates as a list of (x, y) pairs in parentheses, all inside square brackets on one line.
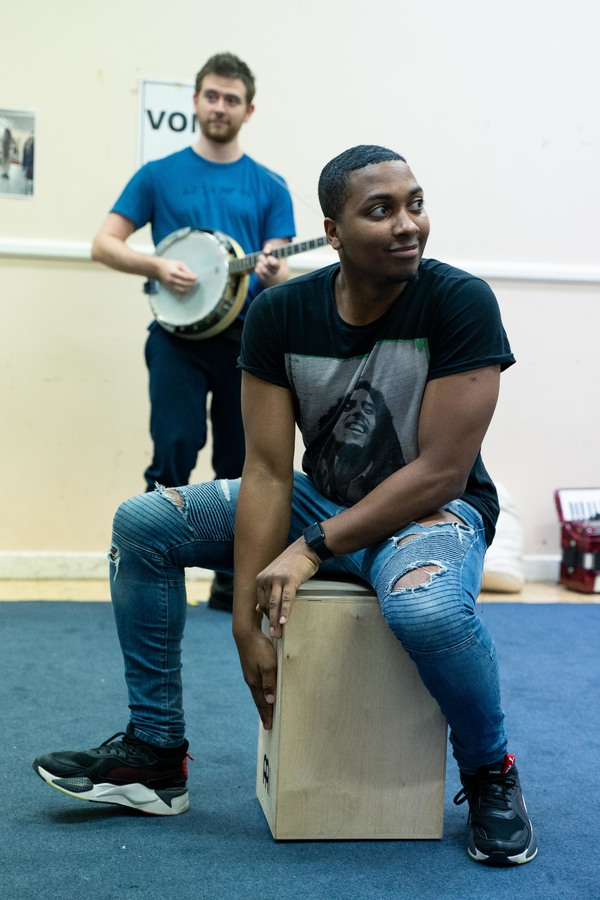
[(314, 535)]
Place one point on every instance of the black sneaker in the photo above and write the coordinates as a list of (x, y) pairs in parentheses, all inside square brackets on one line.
[(126, 772), (221, 592), (501, 833)]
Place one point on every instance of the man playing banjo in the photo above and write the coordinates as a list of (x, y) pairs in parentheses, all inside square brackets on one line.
[(212, 185)]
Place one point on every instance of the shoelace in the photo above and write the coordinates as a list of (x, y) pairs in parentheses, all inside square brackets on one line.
[(493, 791), (129, 747), (135, 744), (111, 739)]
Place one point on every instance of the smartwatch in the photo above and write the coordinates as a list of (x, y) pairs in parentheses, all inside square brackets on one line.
[(314, 537)]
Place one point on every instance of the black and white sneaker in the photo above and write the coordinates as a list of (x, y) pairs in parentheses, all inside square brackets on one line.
[(126, 772), (501, 832)]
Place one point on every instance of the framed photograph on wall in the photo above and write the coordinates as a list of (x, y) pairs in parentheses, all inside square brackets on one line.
[(17, 144)]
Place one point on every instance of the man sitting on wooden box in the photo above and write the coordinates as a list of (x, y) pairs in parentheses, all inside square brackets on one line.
[(411, 512)]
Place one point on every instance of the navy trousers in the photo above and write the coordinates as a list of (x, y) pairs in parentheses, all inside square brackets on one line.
[(190, 380)]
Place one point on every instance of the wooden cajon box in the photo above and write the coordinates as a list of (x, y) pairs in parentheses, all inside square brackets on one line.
[(358, 746)]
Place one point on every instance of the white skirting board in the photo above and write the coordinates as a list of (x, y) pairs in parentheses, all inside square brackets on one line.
[(29, 565)]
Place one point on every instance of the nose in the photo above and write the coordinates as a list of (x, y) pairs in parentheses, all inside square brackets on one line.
[(404, 223)]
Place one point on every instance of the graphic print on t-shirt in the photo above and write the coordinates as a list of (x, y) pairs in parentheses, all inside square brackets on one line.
[(370, 430)]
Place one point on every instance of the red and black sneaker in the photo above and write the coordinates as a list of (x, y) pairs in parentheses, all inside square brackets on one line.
[(501, 832), (126, 772)]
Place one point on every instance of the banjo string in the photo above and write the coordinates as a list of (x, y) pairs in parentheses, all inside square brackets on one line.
[(293, 194)]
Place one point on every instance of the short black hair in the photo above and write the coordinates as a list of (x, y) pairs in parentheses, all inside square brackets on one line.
[(228, 65), (333, 182)]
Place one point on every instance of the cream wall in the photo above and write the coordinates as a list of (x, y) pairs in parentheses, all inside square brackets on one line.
[(495, 106)]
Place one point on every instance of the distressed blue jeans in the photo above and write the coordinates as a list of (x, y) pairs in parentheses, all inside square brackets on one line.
[(157, 535)]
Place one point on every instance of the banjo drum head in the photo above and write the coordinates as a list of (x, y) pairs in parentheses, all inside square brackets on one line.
[(206, 256)]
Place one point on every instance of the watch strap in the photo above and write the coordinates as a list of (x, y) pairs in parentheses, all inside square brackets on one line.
[(314, 537)]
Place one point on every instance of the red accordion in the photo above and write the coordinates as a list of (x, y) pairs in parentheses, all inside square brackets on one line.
[(579, 513)]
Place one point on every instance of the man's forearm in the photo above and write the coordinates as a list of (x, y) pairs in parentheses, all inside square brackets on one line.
[(261, 529), (114, 252)]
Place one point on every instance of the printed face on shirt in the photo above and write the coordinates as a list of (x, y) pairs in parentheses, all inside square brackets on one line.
[(221, 107), (383, 229), (357, 422)]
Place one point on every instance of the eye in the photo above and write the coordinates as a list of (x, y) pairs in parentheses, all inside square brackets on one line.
[(417, 205), (378, 212)]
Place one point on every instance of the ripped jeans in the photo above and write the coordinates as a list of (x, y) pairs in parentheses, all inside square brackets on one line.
[(156, 536)]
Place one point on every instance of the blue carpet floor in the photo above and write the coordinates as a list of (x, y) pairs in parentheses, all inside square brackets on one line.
[(61, 687)]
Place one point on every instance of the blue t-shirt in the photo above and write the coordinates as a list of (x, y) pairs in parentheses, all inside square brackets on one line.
[(243, 199), (358, 389)]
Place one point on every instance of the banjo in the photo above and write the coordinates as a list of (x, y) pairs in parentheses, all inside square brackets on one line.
[(223, 272)]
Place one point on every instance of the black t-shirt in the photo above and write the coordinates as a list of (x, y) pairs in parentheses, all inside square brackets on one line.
[(358, 389)]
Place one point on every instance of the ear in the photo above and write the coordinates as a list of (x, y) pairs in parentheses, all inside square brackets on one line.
[(331, 232), (249, 111)]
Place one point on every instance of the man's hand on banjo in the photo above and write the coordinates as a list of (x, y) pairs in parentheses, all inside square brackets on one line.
[(269, 269), (175, 275)]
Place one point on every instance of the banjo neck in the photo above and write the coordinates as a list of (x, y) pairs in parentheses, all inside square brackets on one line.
[(243, 265)]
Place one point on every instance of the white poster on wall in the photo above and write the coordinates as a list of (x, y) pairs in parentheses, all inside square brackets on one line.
[(167, 120)]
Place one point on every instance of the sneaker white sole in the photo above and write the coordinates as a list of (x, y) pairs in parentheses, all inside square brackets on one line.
[(167, 802), (501, 859)]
